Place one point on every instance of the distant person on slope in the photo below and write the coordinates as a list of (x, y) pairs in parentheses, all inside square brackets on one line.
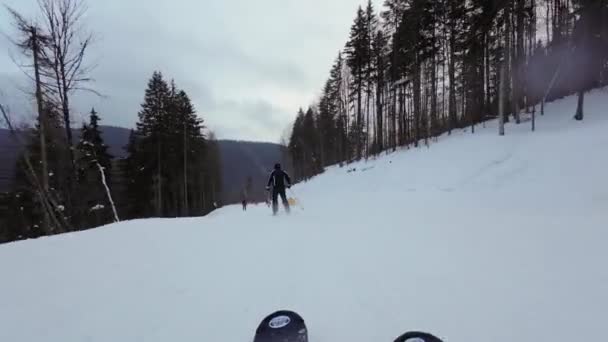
[(244, 199), (279, 180)]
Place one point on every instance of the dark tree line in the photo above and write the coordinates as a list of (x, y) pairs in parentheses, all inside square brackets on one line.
[(172, 169), (421, 68)]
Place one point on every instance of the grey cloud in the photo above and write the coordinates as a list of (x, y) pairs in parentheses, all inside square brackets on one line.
[(259, 111), (220, 59), (247, 65), (253, 120)]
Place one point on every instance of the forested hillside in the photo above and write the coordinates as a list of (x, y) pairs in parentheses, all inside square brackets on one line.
[(415, 69), (241, 163)]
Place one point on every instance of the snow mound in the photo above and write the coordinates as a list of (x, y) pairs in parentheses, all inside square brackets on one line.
[(477, 238)]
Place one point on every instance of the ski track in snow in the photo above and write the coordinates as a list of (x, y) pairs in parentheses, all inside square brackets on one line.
[(477, 238)]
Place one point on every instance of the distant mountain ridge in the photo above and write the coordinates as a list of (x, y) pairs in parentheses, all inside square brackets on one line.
[(240, 160)]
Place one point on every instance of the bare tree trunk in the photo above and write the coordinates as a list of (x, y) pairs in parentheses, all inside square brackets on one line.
[(408, 110), (532, 43), (358, 124), (345, 105), (417, 95), (379, 123), (203, 193), (427, 114), (443, 90), (487, 107), (433, 122), (501, 100), (402, 117), (108, 193), (533, 119), (386, 112), (64, 70), (552, 82), (394, 119), (579, 105), (42, 123), (186, 207), (213, 195), (175, 197), (463, 105), (367, 101), (452, 91), (507, 51), (520, 55), (65, 108), (381, 120), (159, 191)]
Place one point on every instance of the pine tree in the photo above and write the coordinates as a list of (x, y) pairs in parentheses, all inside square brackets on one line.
[(153, 128), (297, 147), (170, 159), (137, 180), (409, 53), (455, 17), (192, 149), (212, 178), (357, 51), (327, 126), (338, 84), (476, 25), (312, 158), (371, 26), (380, 64), (94, 165)]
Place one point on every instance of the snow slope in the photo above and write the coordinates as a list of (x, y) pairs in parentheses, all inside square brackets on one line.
[(477, 238)]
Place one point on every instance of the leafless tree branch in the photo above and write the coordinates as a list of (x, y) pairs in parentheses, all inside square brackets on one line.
[(92, 91)]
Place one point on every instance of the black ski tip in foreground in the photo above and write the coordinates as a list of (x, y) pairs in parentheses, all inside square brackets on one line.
[(417, 336), (289, 326), (282, 326)]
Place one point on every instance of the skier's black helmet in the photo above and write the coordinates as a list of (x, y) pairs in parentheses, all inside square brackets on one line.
[(277, 166)]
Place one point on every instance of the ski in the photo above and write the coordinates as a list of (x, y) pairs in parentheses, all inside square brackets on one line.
[(282, 326), (417, 336), (289, 326)]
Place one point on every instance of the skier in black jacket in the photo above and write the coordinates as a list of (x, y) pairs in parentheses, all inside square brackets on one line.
[(279, 180)]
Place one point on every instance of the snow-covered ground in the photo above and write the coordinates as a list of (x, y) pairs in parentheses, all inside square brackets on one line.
[(478, 238)]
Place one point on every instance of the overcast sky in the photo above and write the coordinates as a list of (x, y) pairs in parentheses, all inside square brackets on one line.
[(247, 65)]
